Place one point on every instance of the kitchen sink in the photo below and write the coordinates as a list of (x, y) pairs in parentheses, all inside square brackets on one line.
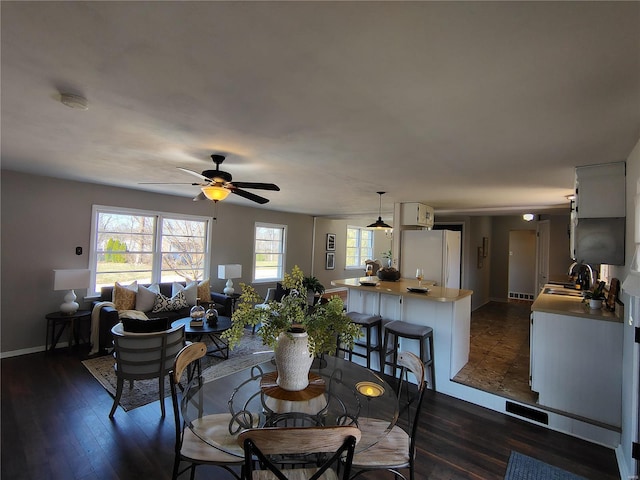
[(562, 291)]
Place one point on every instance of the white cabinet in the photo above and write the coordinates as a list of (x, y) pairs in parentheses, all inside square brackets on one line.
[(417, 214), (576, 365), (600, 190)]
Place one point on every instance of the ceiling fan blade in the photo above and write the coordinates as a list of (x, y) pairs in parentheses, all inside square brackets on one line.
[(257, 185), (250, 196), (195, 174), (167, 183), (200, 196)]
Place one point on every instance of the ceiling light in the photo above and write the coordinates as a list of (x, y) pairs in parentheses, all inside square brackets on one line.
[(215, 193), (528, 217), (74, 101), (379, 223)]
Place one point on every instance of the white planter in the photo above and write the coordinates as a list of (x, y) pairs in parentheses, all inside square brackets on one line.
[(293, 361), (595, 304)]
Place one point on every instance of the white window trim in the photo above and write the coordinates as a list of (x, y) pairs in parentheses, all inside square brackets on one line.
[(284, 252), (360, 228), (157, 262)]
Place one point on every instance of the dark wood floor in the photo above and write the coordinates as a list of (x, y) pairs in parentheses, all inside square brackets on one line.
[(55, 425)]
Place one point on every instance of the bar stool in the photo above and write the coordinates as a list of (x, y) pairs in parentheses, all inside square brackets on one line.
[(399, 329), (368, 323)]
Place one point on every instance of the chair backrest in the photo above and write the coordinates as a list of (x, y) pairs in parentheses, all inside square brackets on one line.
[(146, 355), (286, 443), (410, 362), (185, 357)]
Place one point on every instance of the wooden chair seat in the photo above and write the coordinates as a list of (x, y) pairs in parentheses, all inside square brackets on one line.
[(390, 452), (295, 474), (215, 427)]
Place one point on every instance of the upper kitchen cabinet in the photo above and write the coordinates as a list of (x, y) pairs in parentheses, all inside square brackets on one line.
[(600, 191), (417, 215)]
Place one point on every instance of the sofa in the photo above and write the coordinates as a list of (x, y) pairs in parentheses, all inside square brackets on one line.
[(109, 316)]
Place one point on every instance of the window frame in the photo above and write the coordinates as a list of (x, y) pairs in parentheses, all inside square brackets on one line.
[(283, 252), (360, 229), (156, 270)]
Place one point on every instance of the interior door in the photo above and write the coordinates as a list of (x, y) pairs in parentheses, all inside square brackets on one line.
[(542, 255)]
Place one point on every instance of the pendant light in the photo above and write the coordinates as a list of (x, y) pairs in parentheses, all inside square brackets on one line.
[(379, 223)]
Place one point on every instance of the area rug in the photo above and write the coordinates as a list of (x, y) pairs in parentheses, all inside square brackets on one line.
[(248, 353), (521, 467)]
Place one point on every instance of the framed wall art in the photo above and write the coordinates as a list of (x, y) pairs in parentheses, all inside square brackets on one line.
[(330, 262), (331, 242)]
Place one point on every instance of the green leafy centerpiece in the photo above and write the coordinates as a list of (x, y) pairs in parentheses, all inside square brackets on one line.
[(293, 320)]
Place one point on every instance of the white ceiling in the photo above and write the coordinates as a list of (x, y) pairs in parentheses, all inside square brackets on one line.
[(468, 107)]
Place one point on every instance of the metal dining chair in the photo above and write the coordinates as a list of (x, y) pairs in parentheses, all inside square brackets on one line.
[(188, 446), (141, 356), (396, 450), (278, 449)]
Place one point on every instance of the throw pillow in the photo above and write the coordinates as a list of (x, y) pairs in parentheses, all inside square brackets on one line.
[(166, 304), (204, 291), (190, 291), (124, 296), (146, 298), (135, 325)]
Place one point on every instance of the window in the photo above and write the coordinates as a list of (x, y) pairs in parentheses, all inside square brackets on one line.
[(149, 247), (268, 253), (359, 246)]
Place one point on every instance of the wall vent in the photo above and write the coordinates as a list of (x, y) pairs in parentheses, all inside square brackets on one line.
[(521, 296), (526, 412)]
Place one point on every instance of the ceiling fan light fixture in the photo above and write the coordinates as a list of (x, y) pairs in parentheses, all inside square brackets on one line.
[(215, 192), (379, 224)]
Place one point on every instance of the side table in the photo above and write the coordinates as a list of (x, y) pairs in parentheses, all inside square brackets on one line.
[(212, 331), (57, 323)]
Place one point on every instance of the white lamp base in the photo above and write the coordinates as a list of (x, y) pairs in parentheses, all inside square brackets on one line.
[(229, 288), (70, 305)]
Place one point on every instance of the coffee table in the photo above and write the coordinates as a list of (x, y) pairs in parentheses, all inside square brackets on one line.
[(220, 348)]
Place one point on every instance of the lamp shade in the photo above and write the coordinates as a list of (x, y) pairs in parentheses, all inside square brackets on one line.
[(70, 279), (229, 271), (215, 193)]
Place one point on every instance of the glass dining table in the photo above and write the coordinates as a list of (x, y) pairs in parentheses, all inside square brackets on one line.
[(339, 393)]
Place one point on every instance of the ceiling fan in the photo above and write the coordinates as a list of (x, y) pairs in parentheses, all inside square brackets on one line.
[(216, 184)]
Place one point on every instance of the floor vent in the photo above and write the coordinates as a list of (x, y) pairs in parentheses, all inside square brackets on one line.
[(526, 412), (521, 296)]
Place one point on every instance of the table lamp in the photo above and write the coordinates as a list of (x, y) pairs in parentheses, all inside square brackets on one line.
[(68, 280), (229, 272)]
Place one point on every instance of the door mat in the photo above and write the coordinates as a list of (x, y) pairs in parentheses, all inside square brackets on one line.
[(249, 352), (521, 467)]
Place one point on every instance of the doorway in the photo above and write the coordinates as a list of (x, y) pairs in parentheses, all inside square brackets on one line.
[(522, 264)]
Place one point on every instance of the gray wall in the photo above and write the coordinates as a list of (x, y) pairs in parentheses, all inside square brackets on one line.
[(324, 225), (45, 219)]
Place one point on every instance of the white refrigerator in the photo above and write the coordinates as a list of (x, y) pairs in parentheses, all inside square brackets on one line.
[(437, 252)]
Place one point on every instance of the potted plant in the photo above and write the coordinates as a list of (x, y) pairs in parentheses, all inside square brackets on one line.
[(313, 286), (293, 321), (388, 256), (595, 297)]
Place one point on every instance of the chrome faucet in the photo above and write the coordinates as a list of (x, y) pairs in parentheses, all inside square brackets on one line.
[(591, 277), (580, 266)]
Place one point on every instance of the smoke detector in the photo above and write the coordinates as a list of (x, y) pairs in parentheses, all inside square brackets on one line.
[(74, 101)]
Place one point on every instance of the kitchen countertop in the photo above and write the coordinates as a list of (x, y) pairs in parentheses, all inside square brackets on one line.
[(566, 305), (435, 294)]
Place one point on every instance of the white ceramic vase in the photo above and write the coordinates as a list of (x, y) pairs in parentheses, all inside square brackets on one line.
[(293, 360), (595, 304)]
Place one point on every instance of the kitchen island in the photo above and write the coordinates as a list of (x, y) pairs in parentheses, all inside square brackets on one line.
[(576, 357), (446, 310)]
